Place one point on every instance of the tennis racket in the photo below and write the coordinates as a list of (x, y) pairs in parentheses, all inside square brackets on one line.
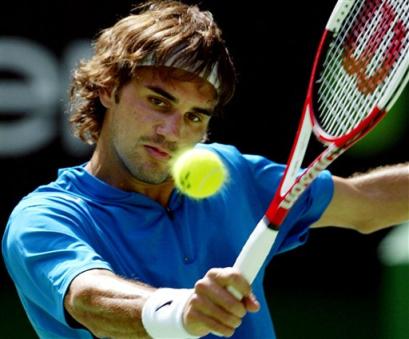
[(360, 69)]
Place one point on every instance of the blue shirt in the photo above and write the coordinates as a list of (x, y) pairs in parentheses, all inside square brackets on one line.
[(79, 223)]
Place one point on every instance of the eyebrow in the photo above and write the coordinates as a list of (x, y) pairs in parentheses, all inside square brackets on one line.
[(167, 95)]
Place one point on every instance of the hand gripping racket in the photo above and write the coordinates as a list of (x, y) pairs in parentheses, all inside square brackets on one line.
[(360, 69)]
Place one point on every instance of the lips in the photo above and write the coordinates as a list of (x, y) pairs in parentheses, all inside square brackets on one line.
[(157, 153)]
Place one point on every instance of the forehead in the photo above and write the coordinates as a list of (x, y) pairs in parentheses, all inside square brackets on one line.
[(177, 81)]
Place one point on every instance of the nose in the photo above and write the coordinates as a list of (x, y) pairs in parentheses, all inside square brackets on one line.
[(170, 127)]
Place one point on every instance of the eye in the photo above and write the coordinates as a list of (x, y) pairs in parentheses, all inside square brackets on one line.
[(194, 117), (158, 102)]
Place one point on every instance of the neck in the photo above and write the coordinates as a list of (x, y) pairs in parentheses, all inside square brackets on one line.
[(118, 176)]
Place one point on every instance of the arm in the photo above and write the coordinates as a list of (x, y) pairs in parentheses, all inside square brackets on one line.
[(107, 305), (110, 306), (369, 202)]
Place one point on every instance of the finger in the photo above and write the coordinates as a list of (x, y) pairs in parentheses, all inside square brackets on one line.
[(230, 277), (207, 307), (220, 296), (201, 324), (251, 303), (235, 293)]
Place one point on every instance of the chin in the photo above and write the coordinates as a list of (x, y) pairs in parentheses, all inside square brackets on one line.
[(151, 178)]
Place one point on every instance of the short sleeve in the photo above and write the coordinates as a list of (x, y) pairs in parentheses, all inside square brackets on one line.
[(44, 249), (307, 210)]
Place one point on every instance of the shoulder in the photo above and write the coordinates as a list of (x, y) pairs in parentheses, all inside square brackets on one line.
[(223, 150), (235, 158), (41, 214), (49, 198), (56, 197)]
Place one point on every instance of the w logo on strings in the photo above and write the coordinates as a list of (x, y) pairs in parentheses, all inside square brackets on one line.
[(370, 57)]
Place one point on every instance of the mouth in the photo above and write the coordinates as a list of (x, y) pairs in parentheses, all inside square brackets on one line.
[(157, 153)]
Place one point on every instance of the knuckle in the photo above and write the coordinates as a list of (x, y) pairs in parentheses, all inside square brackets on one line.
[(241, 311), (200, 286), (236, 278), (229, 332), (191, 316), (222, 330), (236, 308), (213, 273), (238, 323), (235, 273), (194, 322), (238, 281), (195, 301), (233, 321)]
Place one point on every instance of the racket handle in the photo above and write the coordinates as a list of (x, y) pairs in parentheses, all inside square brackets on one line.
[(254, 253)]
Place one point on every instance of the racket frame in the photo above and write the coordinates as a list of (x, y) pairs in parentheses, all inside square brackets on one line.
[(293, 183)]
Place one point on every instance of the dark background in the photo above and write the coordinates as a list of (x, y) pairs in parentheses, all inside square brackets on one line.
[(334, 287)]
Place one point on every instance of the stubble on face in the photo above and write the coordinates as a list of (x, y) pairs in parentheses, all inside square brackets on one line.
[(138, 157), (144, 168)]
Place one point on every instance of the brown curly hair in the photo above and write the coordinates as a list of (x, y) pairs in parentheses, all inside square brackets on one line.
[(156, 30)]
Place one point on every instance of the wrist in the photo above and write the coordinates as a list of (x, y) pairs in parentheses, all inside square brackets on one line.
[(162, 313)]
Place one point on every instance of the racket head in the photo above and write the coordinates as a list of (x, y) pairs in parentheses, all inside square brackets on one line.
[(360, 68)]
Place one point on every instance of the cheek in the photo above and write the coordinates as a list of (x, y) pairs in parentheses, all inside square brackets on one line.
[(131, 107), (197, 133), (135, 118)]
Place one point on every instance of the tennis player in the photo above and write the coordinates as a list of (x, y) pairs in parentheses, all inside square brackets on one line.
[(110, 249)]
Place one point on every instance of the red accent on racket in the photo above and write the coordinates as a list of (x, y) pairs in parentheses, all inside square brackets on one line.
[(360, 69)]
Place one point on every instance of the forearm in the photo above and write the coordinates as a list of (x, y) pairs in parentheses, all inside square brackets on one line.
[(107, 305), (386, 196), (110, 306), (371, 201)]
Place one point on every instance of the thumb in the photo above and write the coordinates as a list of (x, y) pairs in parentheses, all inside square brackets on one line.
[(251, 303)]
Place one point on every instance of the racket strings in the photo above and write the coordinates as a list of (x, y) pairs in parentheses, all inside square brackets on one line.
[(360, 62), (355, 102), (356, 98), (336, 90), (353, 98)]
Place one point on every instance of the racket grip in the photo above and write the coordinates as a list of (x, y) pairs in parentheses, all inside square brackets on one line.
[(254, 253)]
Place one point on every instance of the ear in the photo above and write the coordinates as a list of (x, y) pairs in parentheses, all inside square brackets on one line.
[(205, 137), (106, 98)]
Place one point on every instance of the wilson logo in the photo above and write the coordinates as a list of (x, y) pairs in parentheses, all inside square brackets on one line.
[(371, 58)]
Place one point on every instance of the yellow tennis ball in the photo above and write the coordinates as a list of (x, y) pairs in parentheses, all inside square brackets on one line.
[(199, 173)]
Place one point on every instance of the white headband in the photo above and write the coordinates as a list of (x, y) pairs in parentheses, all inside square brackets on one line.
[(174, 61)]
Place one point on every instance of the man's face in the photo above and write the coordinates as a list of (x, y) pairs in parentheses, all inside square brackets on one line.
[(153, 117)]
